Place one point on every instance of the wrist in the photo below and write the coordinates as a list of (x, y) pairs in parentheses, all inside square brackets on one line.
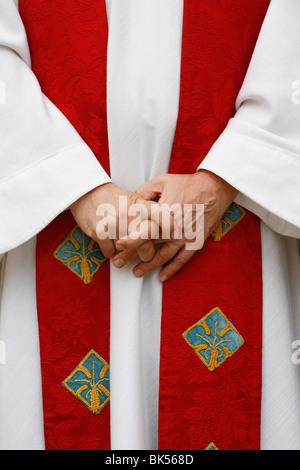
[(218, 183)]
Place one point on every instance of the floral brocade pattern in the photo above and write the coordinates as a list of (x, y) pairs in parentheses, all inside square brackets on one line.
[(198, 406), (68, 44)]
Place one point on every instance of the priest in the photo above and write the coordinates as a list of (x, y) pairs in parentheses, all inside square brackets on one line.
[(176, 102)]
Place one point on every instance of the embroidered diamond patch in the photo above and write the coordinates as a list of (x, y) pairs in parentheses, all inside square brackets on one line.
[(211, 446), (80, 254), (89, 382), (231, 217), (214, 339)]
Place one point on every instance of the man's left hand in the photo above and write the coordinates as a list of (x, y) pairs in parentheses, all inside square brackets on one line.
[(202, 187)]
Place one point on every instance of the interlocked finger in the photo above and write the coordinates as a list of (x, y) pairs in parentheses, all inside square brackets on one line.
[(147, 230), (177, 263), (163, 255), (107, 247)]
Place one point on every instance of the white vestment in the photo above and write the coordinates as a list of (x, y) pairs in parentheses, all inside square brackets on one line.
[(258, 153)]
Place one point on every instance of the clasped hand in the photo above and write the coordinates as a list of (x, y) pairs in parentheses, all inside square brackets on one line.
[(158, 200)]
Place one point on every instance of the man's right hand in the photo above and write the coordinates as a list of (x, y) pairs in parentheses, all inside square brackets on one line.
[(85, 210)]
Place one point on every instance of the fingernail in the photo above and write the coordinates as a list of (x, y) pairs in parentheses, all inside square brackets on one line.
[(138, 273), (118, 263), (163, 278)]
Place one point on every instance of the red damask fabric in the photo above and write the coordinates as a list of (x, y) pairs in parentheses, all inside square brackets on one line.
[(68, 42), (197, 406)]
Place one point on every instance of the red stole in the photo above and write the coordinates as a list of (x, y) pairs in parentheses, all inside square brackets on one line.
[(211, 347)]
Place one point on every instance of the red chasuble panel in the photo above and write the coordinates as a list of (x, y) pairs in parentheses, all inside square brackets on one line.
[(211, 348), (68, 43)]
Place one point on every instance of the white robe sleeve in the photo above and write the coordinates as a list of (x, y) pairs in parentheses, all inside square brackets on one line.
[(44, 164), (259, 151)]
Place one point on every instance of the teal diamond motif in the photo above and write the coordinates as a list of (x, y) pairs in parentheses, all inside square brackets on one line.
[(230, 219), (89, 382), (211, 446), (81, 254), (214, 339)]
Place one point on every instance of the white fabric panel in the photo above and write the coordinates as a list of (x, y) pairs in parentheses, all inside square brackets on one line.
[(21, 411), (280, 429), (143, 91)]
